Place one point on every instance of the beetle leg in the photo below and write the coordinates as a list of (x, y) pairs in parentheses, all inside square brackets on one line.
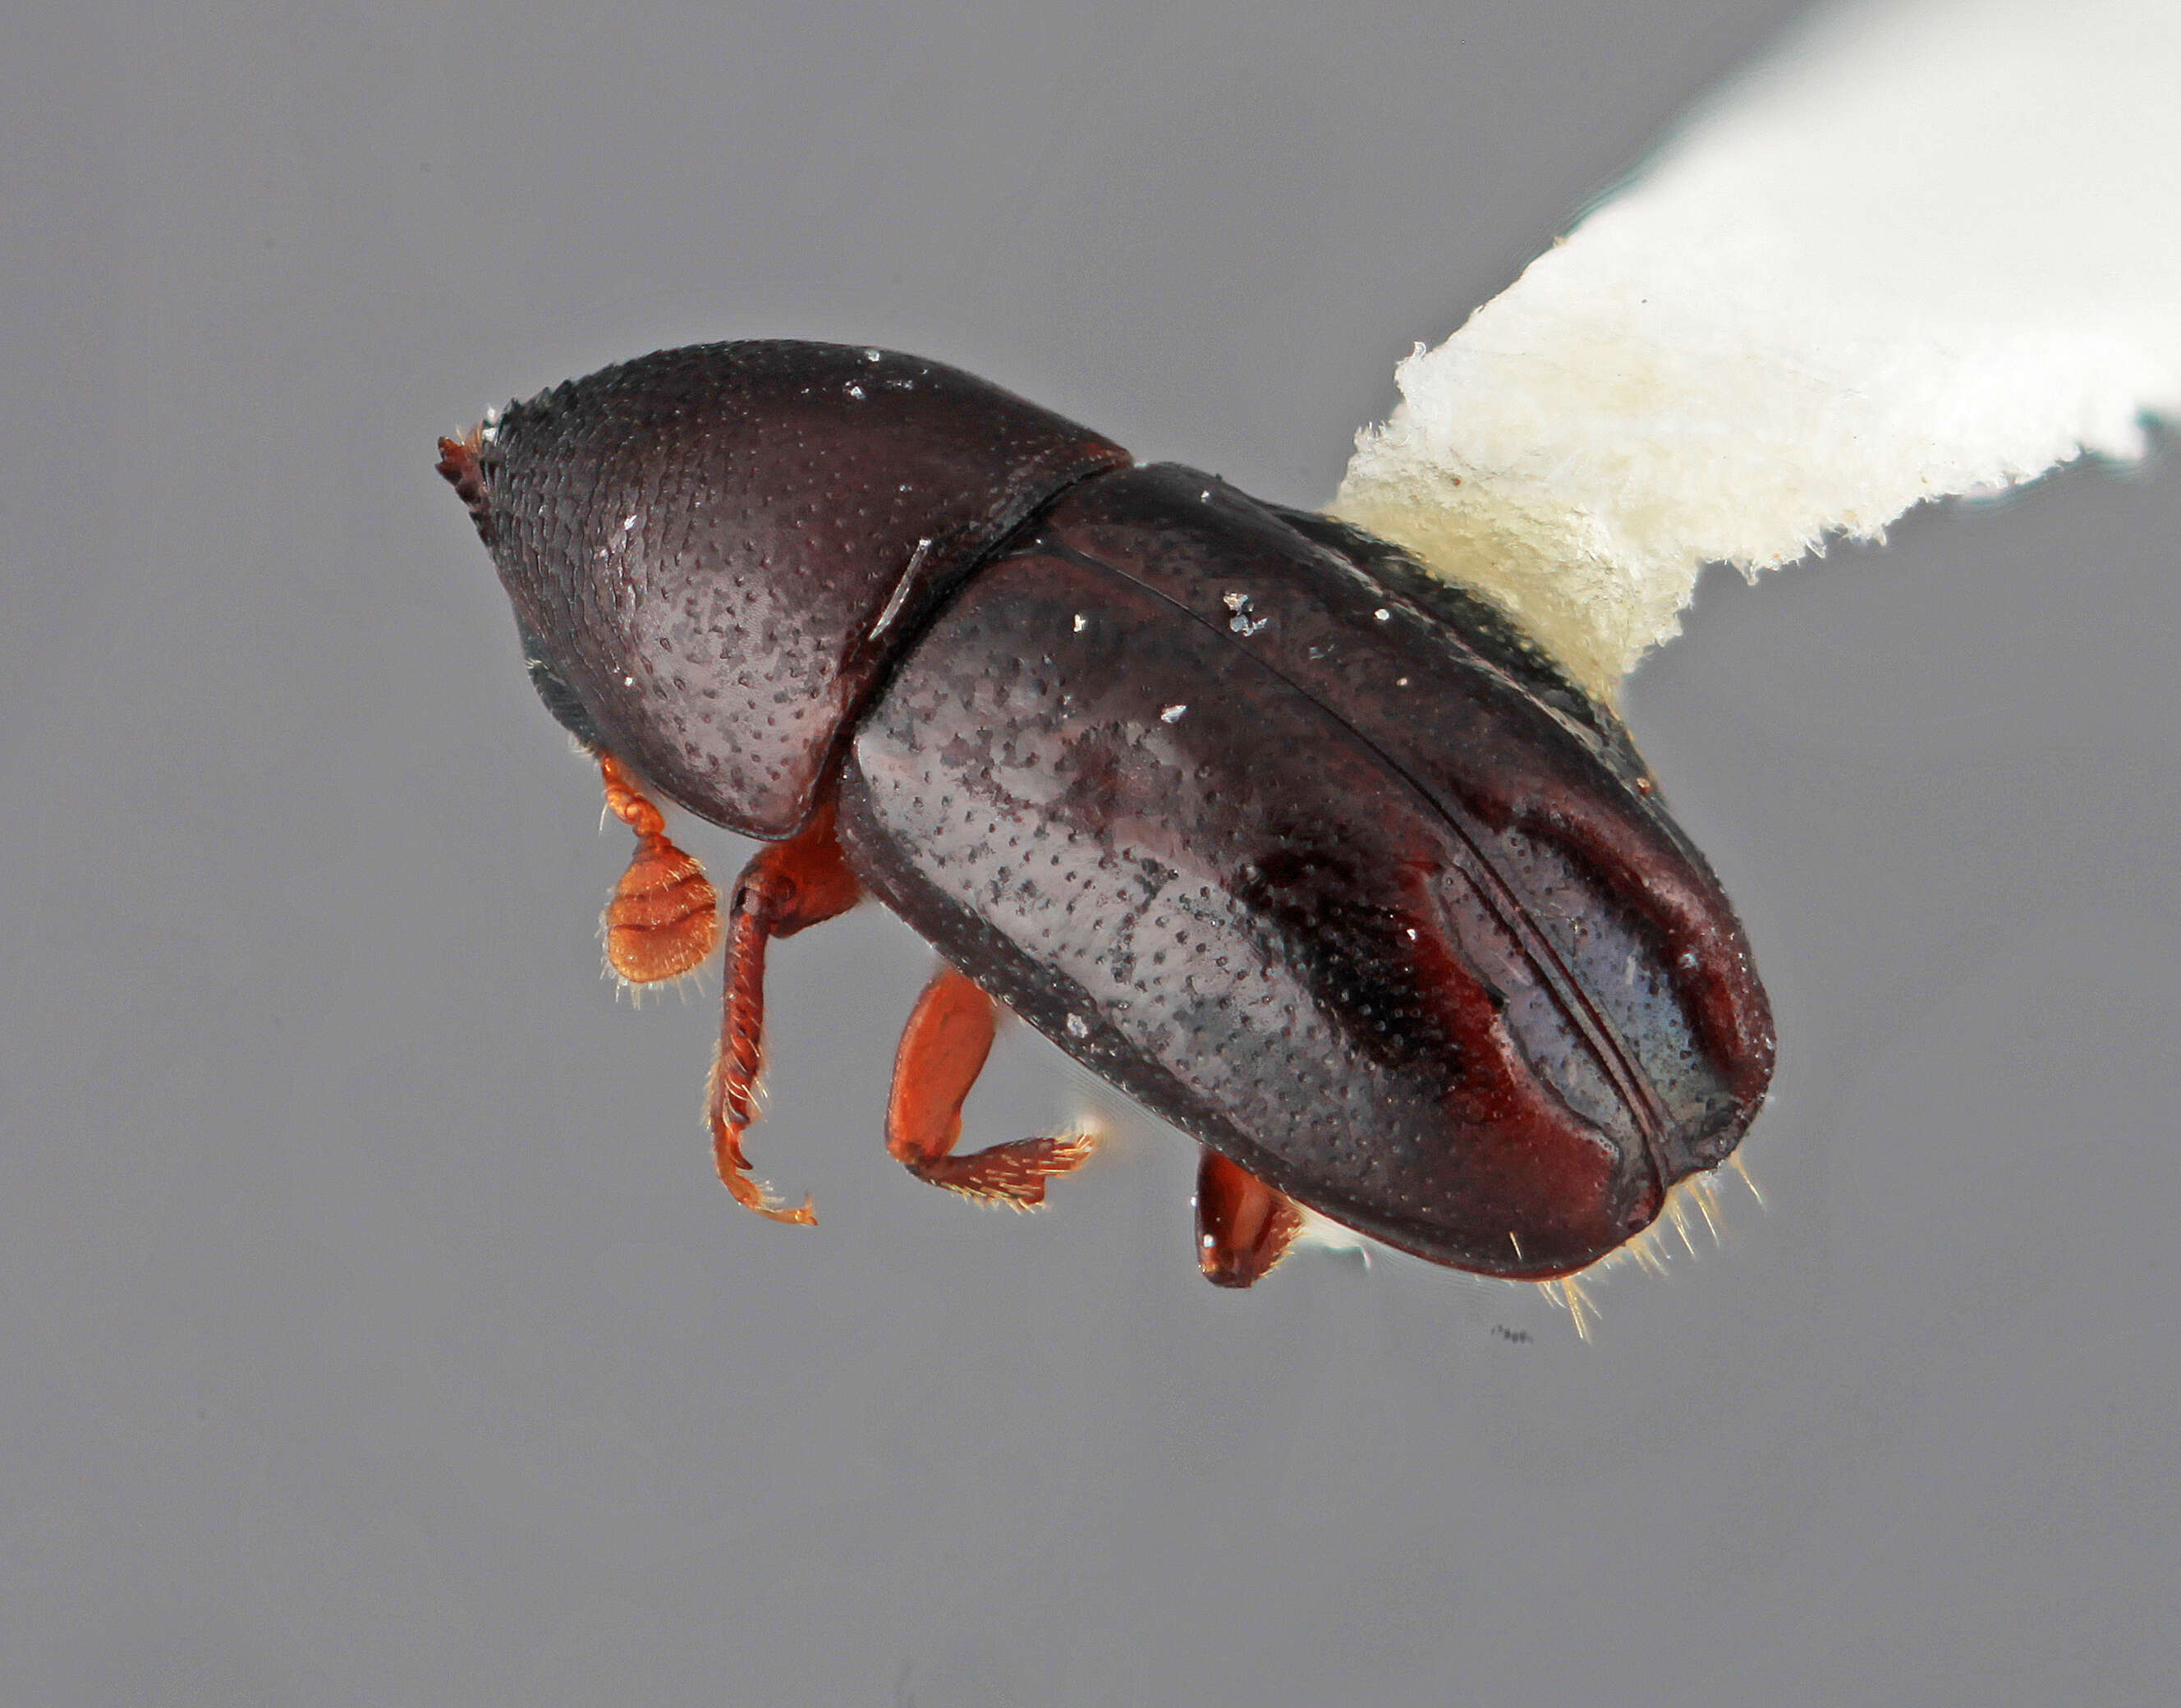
[(942, 1051), (1244, 1227), (787, 886), (664, 917)]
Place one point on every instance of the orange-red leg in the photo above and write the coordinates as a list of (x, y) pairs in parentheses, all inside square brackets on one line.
[(664, 917), (786, 887), (1244, 1227), (942, 1051)]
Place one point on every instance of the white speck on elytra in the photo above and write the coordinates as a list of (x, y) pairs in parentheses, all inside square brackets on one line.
[(1173, 713), (1082, 622), (1244, 620), (1382, 614)]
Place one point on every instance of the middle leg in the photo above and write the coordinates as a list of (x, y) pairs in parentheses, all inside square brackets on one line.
[(942, 1051)]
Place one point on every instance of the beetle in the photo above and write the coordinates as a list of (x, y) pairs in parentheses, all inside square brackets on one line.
[(1311, 852)]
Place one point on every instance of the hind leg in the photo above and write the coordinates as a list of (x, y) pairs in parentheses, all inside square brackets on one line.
[(1244, 1227)]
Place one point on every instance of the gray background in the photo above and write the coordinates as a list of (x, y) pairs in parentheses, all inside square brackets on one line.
[(372, 1332)]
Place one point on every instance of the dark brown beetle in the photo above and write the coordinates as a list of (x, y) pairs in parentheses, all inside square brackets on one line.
[(1307, 850)]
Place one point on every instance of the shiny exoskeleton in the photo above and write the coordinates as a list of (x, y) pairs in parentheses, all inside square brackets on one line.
[(1307, 850)]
